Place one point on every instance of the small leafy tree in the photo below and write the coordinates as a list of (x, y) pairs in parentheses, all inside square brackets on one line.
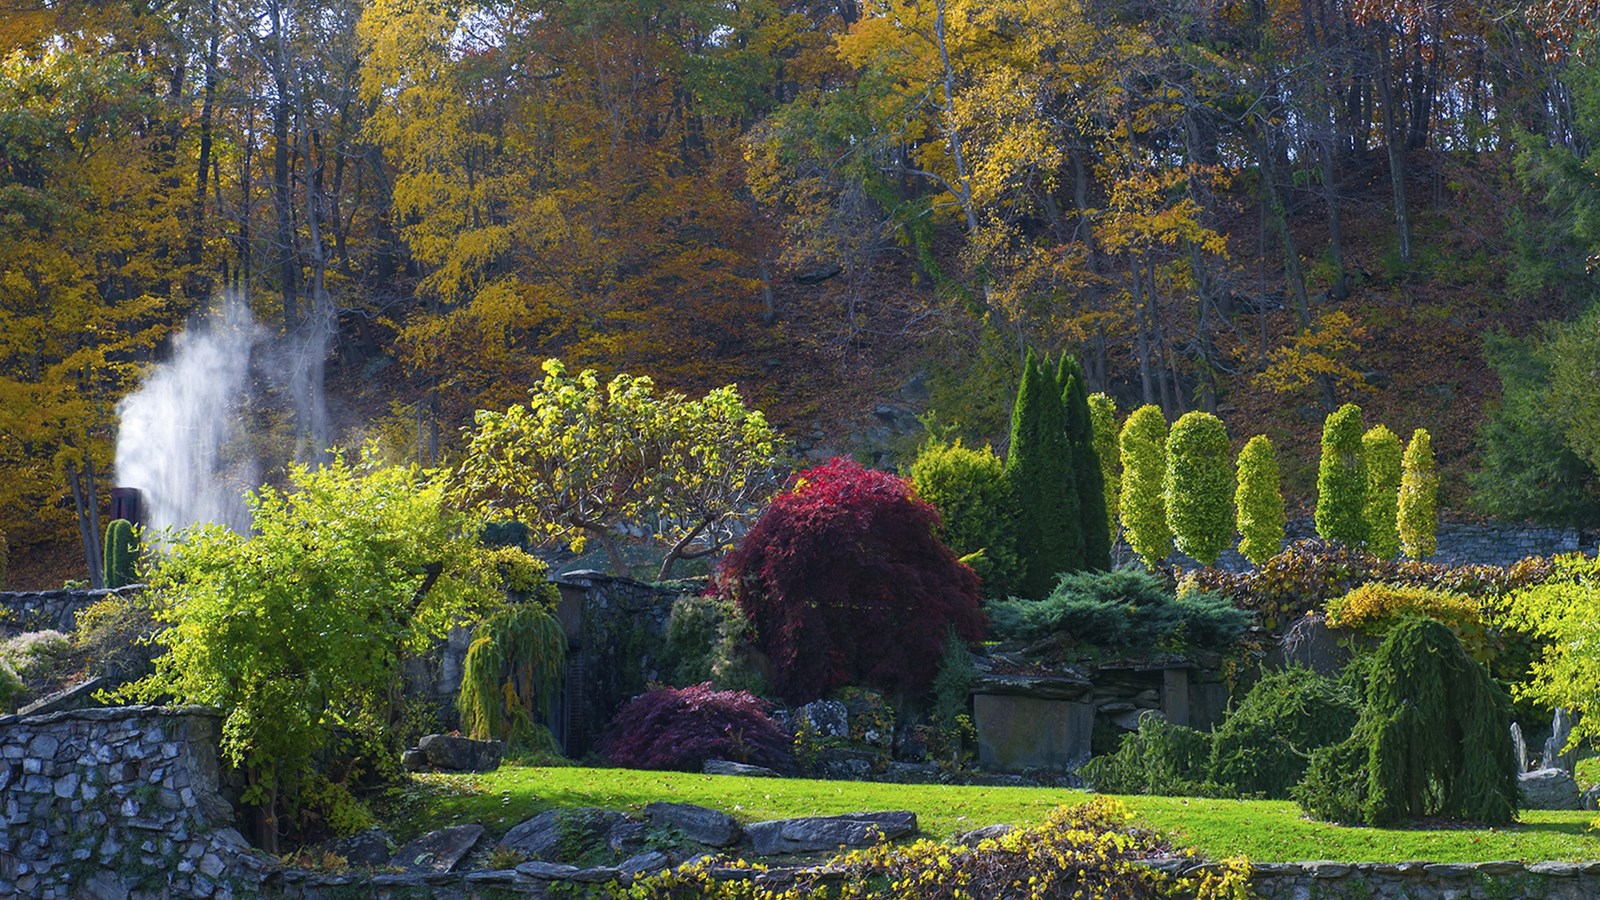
[(1199, 486), (1091, 485), (1039, 470), (511, 674), (1564, 614), (1259, 502), (1144, 470), (847, 582), (297, 631), (1431, 740), (1418, 512), (1380, 454), (1103, 417), (977, 511), (1342, 479), (580, 460)]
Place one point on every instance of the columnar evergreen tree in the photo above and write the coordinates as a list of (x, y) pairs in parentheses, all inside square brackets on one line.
[(1342, 479), (1199, 486), (1086, 466), (1380, 453), (1103, 416), (1143, 504), (121, 554), (1039, 471), (1418, 513), (1259, 501)]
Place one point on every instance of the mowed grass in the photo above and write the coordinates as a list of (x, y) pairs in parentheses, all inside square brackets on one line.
[(1261, 830)]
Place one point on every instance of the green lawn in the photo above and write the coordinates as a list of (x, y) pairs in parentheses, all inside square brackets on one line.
[(1260, 830)]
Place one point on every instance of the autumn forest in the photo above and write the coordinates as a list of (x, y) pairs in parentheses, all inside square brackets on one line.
[(1259, 208)]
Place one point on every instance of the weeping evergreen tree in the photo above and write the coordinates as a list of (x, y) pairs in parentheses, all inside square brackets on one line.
[(510, 676), (1090, 479), (1040, 472), (1432, 740)]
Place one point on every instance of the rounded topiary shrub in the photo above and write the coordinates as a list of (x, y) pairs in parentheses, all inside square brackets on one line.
[(1199, 486), (680, 728), (846, 582), (1143, 504), (1342, 479), (1264, 746)]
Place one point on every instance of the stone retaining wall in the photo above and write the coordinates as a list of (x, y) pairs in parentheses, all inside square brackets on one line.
[(34, 610), (118, 803), (1459, 543), (1426, 881)]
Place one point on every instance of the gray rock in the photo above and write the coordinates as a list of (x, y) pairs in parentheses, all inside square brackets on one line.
[(548, 835), (625, 837), (546, 871), (699, 824), (816, 833), (912, 773), (726, 767), (844, 763), (1591, 798), (105, 885), (978, 835), (414, 759), (827, 718), (1549, 789), (647, 863), (448, 751), (1560, 732), (439, 851), (364, 848)]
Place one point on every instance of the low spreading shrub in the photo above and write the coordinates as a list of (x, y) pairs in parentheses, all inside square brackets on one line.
[(37, 656), (1086, 850), (1125, 610), (1373, 609), (680, 728), (1264, 746), (11, 687), (115, 635), (846, 582)]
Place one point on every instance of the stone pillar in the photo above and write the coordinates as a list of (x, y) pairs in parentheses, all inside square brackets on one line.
[(1175, 695)]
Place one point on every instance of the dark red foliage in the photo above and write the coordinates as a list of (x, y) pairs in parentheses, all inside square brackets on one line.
[(847, 582), (681, 728)]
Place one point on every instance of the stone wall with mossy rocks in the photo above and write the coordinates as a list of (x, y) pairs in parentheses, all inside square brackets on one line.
[(58, 610), (1425, 881), (108, 802)]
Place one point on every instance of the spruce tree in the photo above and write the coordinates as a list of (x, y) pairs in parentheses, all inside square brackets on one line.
[(1143, 505), (1259, 501), (1380, 453), (1091, 484), (1342, 479), (1418, 514), (1199, 486), (1039, 471), (1103, 416)]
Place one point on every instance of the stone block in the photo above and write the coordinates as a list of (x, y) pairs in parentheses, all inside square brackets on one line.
[(820, 833), (1549, 789), (1016, 732), (706, 826)]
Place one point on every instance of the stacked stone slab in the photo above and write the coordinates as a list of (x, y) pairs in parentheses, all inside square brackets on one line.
[(108, 802)]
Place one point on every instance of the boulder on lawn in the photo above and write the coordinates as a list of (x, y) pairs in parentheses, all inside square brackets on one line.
[(727, 767), (698, 824), (438, 851), (548, 835), (817, 833), (1549, 789), (459, 754), (364, 848)]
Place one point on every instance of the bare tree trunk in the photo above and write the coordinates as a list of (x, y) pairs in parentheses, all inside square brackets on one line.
[(282, 199), (88, 514), (1395, 144)]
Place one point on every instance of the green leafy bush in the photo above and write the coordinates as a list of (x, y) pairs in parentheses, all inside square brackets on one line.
[(952, 729), (1380, 454), (1263, 747), (11, 687), (115, 635), (1259, 502), (1430, 742), (709, 639), (1418, 512), (1342, 479), (1373, 609), (1143, 504), (1160, 758), (977, 509), (1118, 611), (1199, 486)]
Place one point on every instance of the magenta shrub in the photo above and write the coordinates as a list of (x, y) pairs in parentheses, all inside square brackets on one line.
[(681, 728)]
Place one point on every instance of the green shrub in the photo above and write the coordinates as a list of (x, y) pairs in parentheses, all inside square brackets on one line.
[(38, 656), (1160, 758), (952, 729), (977, 509), (1103, 417), (1143, 503), (1199, 486), (1373, 609), (1264, 745), (121, 554), (1116, 611), (708, 639), (11, 687), (1430, 742), (1093, 513), (1380, 454), (115, 634), (1342, 479), (1259, 502), (1039, 470), (1418, 512), (511, 675)]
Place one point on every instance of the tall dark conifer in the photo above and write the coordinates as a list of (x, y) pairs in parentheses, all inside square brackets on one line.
[(1094, 524), (1040, 472)]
